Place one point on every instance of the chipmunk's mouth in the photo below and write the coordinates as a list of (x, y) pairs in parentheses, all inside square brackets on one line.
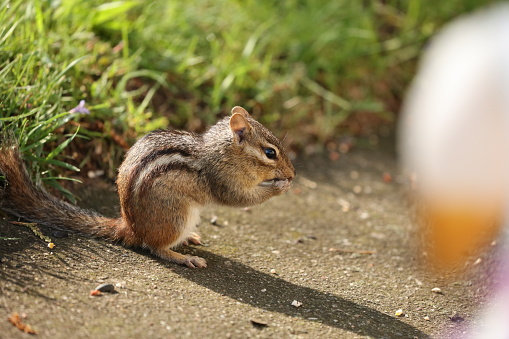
[(267, 183), (276, 182)]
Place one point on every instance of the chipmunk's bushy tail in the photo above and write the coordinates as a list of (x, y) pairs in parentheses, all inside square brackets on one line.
[(20, 197)]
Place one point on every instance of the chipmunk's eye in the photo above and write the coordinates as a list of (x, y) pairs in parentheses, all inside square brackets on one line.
[(270, 153)]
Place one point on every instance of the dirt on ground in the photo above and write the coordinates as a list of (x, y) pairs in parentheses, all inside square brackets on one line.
[(336, 257)]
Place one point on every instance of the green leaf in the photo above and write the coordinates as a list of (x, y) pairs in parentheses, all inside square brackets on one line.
[(62, 178), (65, 192), (111, 10), (18, 117), (35, 144), (52, 162), (62, 164), (59, 76), (61, 147)]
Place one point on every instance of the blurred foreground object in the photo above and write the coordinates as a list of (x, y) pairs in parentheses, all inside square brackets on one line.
[(454, 142)]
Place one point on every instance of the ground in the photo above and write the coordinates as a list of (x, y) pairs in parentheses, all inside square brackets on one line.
[(335, 257)]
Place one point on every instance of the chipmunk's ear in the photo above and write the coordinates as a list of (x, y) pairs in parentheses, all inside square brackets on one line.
[(240, 110), (239, 124)]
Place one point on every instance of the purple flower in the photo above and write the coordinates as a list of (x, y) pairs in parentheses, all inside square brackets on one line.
[(80, 108)]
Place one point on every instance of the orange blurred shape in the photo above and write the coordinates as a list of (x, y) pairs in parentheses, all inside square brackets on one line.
[(453, 233)]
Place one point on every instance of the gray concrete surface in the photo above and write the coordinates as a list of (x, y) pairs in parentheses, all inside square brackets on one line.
[(341, 246)]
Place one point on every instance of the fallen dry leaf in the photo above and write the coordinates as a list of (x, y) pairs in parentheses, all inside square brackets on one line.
[(95, 293), (15, 319)]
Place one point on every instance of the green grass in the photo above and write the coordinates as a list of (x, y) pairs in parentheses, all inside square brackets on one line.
[(304, 68)]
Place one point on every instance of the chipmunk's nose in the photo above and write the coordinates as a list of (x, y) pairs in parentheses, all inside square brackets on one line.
[(292, 175)]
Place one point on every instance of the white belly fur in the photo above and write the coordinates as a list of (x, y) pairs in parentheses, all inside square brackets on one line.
[(193, 218)]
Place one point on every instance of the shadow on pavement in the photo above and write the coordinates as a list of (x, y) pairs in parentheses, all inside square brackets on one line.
[(239, 282), (245, 284)]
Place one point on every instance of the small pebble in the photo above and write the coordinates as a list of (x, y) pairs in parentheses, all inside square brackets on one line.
[(296, 303), (214, 222), (364, 215), (426, 318), (60, 234), (105, 288), (273, 271), (457, 318), (399, 313), (345, 205), (436, 290), (259, 323)]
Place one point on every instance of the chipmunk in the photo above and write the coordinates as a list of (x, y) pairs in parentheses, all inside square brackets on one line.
[(163, 182)]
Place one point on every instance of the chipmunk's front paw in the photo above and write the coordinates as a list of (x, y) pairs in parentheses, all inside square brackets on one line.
[(195, 262), (194, 238)]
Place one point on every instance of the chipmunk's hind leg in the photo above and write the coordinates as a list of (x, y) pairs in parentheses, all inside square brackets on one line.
[(188, 260)]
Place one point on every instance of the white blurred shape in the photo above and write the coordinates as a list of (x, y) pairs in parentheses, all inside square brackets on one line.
[(454, 135)]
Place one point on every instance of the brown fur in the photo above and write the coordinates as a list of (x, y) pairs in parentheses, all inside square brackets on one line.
[(166, 177)]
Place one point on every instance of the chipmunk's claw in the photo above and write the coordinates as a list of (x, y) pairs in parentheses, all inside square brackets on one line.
[(194, 239), (195, 262)]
